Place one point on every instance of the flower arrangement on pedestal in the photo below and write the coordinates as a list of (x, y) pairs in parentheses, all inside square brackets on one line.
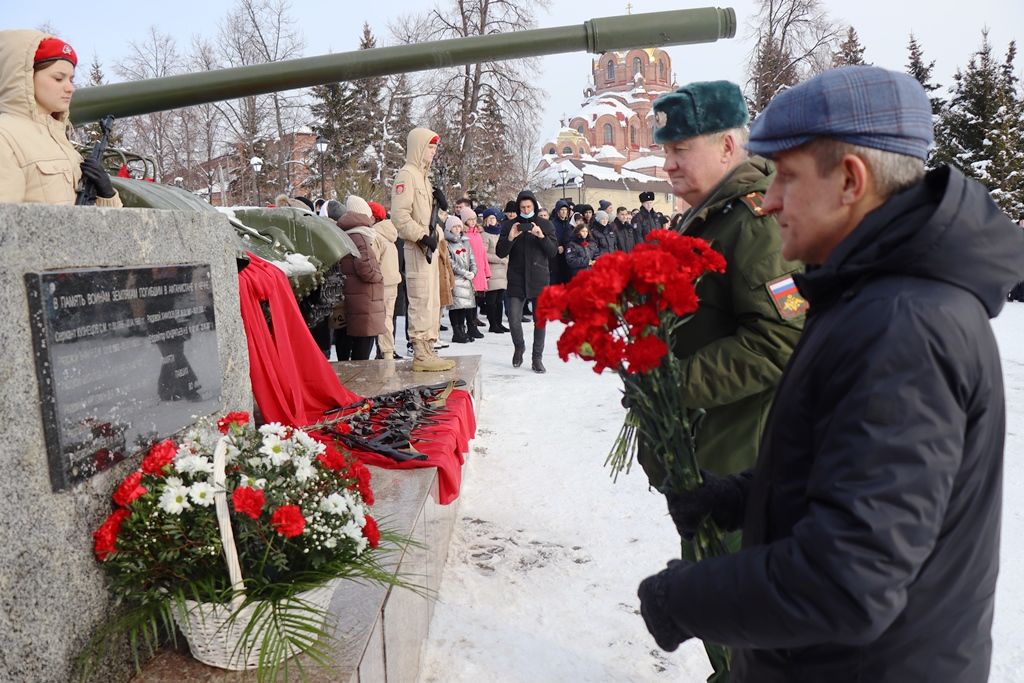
[(622, 315), (235, 534)]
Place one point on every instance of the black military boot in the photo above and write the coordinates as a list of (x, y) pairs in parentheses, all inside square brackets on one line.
[(538, 366)]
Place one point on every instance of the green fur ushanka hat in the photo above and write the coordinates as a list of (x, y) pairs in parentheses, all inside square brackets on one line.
[(698, 109)]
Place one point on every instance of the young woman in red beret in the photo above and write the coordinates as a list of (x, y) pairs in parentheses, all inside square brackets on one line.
[(38, 164)]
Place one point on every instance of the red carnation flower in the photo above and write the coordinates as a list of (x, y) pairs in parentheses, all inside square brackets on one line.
[(130, 489), (371, 531), (362, 475), (105, 538), (332, 460), (160, 456), (288, 520), (645, 354), (248, 501), (239, 418)]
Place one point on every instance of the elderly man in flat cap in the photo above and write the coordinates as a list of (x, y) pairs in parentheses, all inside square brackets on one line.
[(750, 317), (871, 520)]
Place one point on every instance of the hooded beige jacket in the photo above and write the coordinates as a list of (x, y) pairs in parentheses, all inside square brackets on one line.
[(37, 162)]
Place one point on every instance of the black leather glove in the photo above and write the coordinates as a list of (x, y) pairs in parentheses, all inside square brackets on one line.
[(440, 199), (93, 170), (720, 497), (655, 610), (429, 241)]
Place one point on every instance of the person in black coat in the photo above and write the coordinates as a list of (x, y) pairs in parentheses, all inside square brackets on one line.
[(603, 234), (646, 219), (562, 220), (529, 242), (626, 234), (871, 521), (581, 252)]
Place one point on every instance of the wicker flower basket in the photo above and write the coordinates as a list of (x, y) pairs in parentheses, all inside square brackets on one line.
[(213, 637)]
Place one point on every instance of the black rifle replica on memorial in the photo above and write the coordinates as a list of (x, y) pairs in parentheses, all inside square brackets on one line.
[(385, 423), (87, 193)]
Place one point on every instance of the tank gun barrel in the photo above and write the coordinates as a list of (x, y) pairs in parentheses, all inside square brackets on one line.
[(653, 29)]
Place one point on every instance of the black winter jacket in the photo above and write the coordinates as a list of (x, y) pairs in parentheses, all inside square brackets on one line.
[(644, 221), (604, 236), (579, 253), (528, 256), (871, 534)]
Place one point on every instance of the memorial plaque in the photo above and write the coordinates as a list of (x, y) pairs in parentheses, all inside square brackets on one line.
[(124, 357)]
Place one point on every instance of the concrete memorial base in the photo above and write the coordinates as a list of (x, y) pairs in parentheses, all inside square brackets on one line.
[(379, 632)]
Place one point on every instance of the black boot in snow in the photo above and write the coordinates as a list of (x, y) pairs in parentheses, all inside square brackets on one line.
[(538, 366)]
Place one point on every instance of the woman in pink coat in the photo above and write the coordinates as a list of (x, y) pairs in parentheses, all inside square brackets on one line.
[(476, 243)]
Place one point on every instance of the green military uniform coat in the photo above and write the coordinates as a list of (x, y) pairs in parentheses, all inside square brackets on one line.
[(741, 337)]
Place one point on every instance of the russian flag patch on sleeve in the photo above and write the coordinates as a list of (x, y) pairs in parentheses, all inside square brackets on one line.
[(786, 297)]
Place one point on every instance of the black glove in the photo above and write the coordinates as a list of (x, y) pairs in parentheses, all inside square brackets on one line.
[(429, 241), (440, 199), (656, 612), (720, 497), (93, 170)]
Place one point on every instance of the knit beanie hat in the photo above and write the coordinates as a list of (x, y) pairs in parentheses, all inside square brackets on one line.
[(451, 222), (358, 205), (333, 209), (601, 216), (467, 214)]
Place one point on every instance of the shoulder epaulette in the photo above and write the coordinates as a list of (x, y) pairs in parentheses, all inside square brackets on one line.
[(754, 202)]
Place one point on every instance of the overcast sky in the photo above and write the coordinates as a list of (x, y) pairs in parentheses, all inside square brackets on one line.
[(948, 30)]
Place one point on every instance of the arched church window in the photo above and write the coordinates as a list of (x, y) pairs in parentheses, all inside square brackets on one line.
[(566, 150), (638, 66), (609, 134), (580, 129), (661, 70), (632, 135), (551, 150), (611, 70)]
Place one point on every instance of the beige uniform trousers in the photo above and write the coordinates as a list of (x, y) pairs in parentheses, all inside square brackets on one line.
[(422, 282), (386, 341)]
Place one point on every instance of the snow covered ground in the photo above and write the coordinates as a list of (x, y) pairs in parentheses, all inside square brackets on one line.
[(541, 578)]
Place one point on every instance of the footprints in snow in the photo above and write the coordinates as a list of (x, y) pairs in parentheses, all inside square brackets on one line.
[(515, 550)]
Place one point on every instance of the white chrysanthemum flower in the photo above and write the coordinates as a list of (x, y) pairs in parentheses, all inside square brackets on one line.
[(174, 499), (276, 449), (194, 464), (201, 494), (361, 544), (334, 504), (304, 470), (331, 542), (231, 451), (352, 530), (275, 428), (253, 482), (174, 481)]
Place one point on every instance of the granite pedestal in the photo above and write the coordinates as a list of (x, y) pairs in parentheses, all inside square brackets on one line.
[(52, 591)]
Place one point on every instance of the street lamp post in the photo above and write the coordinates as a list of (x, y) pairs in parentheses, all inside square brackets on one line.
[(321, 147), (257, 166), (563, 173), (579, 189)]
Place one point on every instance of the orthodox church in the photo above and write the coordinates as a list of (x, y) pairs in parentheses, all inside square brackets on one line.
[(607, 148)]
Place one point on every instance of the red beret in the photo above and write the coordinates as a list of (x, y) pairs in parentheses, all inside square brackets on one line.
[(378, 211), (55, 48), (435, 140)]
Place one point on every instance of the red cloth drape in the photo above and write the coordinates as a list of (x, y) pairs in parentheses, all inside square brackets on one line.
[(294, 384)]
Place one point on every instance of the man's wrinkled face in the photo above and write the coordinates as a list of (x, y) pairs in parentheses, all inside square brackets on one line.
[(807, 206), (695, 166)]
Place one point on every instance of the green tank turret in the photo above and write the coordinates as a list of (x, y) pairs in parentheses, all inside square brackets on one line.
[(653, 29)]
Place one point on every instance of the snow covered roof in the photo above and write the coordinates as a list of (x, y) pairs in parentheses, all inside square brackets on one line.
[(608, 152), (645, 162), (596, 107), (550, 177)]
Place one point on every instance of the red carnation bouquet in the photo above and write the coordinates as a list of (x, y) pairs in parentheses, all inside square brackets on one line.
[(299, 511), (622, 315)]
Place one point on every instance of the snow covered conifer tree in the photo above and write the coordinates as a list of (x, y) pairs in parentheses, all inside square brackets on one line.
[(850, 51)]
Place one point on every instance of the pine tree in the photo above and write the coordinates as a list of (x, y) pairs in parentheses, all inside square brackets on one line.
[(397, 124), (980, 132), (850, 51), (334, 112), (923, 73), (773, 69), (490, 153), (91, 133), (368, 130)]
